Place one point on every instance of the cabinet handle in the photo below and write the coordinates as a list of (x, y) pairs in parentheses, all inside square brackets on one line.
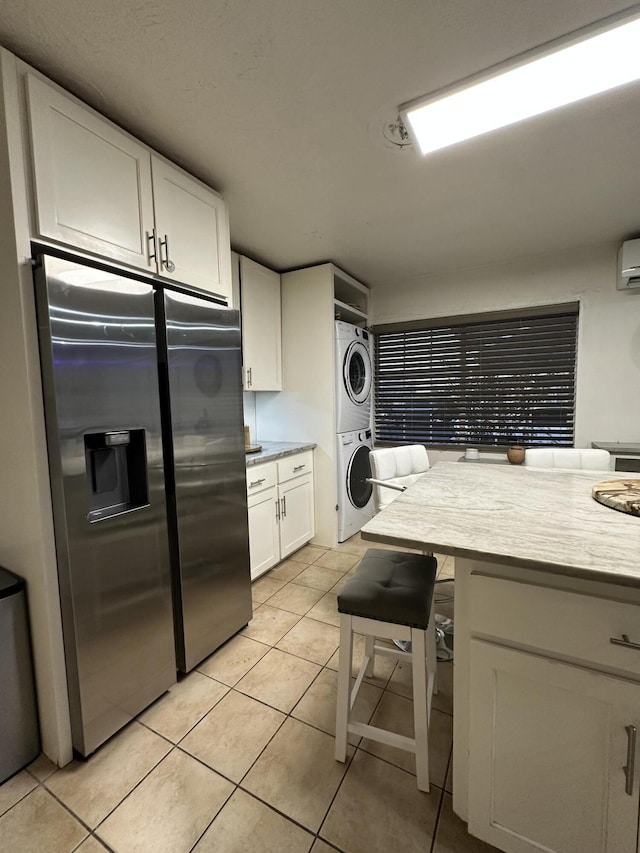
[(299, 468), (249, 380), (625, 641), (629, 768), (256, 482), (284, 506), (277, 510), (165, 262), (152, 247)]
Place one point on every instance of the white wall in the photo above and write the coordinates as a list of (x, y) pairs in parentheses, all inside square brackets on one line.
[(26, 527), (608, 380)]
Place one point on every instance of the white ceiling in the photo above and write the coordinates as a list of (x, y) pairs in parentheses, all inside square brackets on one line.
[(280, 105)]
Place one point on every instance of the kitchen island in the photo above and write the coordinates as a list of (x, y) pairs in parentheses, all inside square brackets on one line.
[(547, 707)]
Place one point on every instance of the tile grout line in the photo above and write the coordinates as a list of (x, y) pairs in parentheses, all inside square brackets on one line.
[(441, 804), (289, 715)]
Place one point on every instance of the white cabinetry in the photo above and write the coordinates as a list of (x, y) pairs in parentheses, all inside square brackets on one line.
[(305, 409), (280, 504), (261, 327), (96, 188), (552, 736)]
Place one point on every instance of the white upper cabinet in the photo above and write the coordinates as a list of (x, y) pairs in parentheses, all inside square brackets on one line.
[(192, 230), (92, 181), (261, 327), (100, 190)]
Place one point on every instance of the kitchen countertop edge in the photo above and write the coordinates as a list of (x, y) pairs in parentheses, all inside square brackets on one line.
[(272, 450), (540, 519)]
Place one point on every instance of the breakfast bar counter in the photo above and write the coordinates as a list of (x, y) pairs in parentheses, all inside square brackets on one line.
[(547, 651)]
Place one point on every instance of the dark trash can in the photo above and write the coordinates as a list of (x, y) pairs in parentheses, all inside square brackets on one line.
[(19, 734)]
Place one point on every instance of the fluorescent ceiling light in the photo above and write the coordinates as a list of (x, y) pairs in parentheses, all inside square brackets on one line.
[(530, 85)]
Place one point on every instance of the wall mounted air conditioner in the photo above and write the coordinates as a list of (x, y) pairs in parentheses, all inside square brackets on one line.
[(629, 265)]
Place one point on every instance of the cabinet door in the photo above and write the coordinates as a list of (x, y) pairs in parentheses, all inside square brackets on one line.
[(547, 747), (92, 180), (192, 226), (296, 514), (264, 544), (261, 327)]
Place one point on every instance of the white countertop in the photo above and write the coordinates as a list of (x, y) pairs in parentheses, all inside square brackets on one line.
[(621, 447), (517, 516)]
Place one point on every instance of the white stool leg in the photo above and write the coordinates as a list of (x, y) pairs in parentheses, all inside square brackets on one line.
[(369, 650), (432, 650), (344, 683), (420, 706)]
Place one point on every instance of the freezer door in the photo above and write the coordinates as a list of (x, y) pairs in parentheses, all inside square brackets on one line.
[(100, 380), (211, 545)]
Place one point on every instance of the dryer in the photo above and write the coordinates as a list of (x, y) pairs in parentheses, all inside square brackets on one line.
[(355, 495), (353, 378)]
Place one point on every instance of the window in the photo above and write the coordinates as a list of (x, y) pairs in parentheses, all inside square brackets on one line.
[(488, 380)]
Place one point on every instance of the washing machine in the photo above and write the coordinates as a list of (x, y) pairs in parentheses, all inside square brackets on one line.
[(355, 495), (353, 378)]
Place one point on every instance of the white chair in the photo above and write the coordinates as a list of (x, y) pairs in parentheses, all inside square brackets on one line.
[(568, 458), (393, 469)]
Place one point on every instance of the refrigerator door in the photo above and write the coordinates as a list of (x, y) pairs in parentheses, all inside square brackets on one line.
[(100, 379), (211, 538)]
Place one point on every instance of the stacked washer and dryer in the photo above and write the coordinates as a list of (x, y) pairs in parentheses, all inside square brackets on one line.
[(353, 428)]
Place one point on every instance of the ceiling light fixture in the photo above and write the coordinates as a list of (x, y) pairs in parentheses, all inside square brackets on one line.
[(582, 64)]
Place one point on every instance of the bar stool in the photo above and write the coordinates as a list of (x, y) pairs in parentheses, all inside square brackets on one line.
[(389, 596)]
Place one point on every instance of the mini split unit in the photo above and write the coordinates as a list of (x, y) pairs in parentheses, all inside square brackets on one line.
[(629, 265)]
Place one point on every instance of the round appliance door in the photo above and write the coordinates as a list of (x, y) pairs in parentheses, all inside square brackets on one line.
[(359, 468), (356, 372)]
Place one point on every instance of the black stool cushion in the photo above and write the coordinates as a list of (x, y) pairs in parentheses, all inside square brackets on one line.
[(391, 586)]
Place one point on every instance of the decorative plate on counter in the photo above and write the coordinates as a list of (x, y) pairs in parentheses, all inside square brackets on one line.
[(623, 495)]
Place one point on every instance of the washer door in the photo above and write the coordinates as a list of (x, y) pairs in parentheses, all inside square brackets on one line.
[(356, 372), (358, 469)]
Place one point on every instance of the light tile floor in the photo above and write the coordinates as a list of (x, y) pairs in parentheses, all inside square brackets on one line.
[(238, 756)]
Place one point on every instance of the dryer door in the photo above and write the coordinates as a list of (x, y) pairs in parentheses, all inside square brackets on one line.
[(356, 372), (359, 468)]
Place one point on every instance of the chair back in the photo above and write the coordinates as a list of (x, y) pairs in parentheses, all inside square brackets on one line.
[(567, 457), (400, 466)]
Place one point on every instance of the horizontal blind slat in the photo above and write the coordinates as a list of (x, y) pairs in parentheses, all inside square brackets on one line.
[(480, 382)]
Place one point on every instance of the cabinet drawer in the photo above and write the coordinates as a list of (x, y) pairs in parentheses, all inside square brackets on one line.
[(261, 477), (567, 625), (295, 466)]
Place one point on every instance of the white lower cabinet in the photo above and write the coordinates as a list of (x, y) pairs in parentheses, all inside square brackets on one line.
[(296, 514), (281, 510), (552, 751), (264, 533)]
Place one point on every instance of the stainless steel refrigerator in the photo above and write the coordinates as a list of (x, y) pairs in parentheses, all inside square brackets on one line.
[(143, 407)]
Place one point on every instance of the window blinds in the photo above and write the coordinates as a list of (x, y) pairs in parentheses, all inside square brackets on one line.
[(488, 382)]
